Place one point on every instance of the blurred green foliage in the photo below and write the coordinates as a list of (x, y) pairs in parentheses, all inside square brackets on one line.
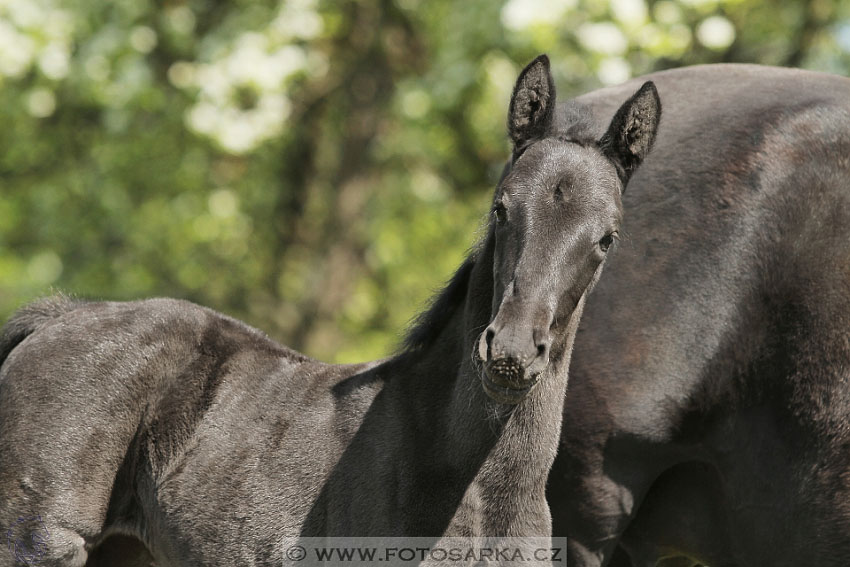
[(314, 168)]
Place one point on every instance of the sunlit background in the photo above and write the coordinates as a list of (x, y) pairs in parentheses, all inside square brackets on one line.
[(314, 168)]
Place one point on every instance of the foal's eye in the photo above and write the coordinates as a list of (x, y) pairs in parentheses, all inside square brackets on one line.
[(500, 213), (606, 241)]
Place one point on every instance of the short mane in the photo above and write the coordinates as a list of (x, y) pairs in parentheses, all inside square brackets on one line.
[(427, 326)]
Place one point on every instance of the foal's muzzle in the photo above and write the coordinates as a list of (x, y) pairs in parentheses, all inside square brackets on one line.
[(512, 356)]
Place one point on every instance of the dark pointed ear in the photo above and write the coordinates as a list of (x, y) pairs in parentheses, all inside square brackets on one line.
[(632, 131), (532, 104)]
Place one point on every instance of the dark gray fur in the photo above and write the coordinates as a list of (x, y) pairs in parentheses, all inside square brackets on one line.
[(708, 414), (211, 443)]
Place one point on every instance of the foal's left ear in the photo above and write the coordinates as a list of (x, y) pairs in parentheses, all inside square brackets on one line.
[(532, 104), (632, 131)]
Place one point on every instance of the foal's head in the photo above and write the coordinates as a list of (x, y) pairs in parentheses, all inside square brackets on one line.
[(556, 214)]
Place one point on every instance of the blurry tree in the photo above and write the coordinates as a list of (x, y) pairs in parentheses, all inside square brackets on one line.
[(315, 168)]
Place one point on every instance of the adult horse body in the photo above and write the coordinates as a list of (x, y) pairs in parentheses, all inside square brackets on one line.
[(708, 411), (211, 443)]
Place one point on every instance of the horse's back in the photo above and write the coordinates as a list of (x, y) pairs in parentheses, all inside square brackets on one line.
[(704, 103), (740, 146), (110, 396)]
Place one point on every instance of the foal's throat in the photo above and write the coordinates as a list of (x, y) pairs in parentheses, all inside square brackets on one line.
[(492, 459), (510, 447)]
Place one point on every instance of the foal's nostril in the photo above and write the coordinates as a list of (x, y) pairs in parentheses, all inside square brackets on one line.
[(543, 348), (488, 338)]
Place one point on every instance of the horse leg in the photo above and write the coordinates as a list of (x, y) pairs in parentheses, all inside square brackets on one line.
[(51, 539), (54, 503), (600, 510), (65, 439), (681, 521), (596, 494), (120, 551)]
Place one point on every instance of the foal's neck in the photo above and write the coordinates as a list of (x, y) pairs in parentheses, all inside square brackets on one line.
[(504, 452)]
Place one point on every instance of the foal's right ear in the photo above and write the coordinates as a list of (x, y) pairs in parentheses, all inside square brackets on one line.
[(532, 104), (632, 131)]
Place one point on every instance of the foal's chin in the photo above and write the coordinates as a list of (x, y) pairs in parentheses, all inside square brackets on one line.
[(505, 394)]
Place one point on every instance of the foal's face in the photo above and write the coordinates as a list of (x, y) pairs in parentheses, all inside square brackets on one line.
[(556, 215)]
